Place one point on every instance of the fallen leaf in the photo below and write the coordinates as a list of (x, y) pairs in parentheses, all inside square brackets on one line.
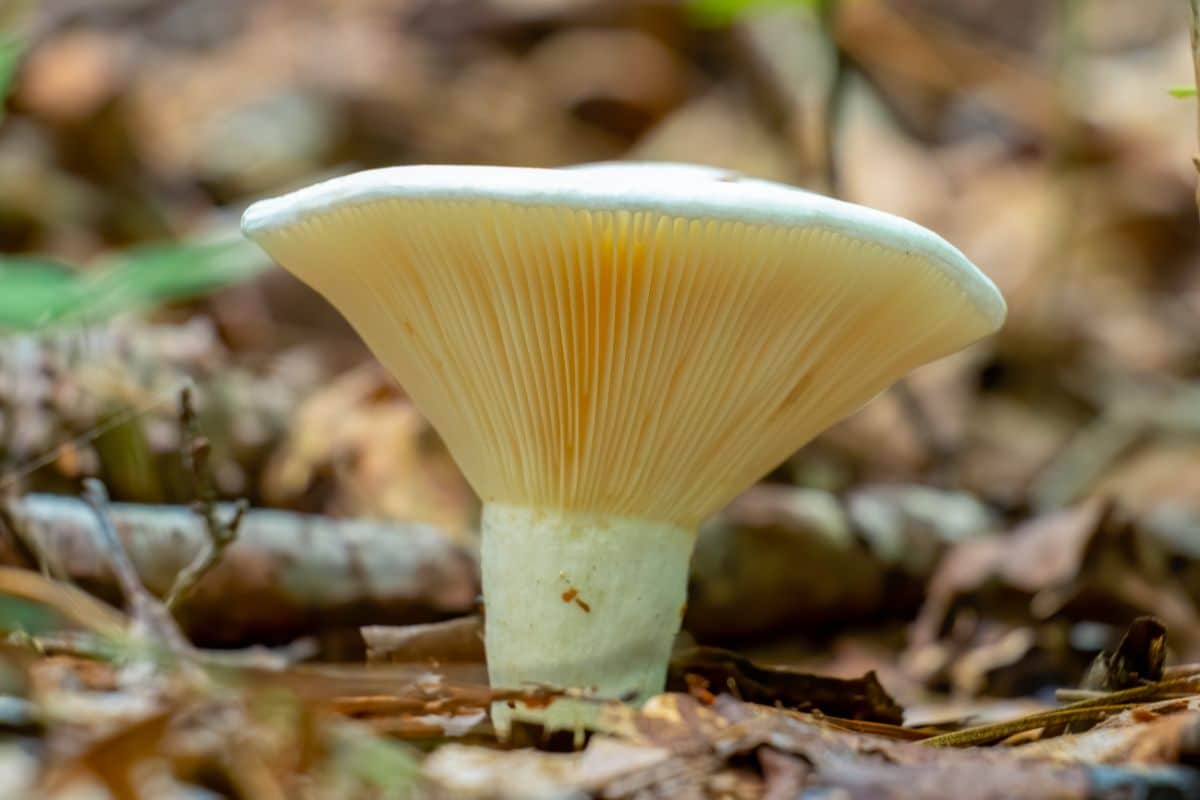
[(530, 774), (457, 640), (725, 671), (1138, 658)]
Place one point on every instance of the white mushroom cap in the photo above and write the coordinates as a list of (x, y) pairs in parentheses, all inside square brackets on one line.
[(644, 340)]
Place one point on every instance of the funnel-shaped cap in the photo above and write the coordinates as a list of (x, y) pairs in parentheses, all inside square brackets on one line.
[(633, 339)]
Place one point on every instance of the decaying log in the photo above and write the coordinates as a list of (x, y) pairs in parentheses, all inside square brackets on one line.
[(287, 575), (779, 556), (782, 557)]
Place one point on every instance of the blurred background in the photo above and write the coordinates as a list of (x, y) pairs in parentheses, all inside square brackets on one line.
[(984, 528)]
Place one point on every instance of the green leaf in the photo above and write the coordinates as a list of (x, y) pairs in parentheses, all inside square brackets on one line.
[(10, 55), (362, 761), (1182, 91), (157, 274), (37, 293), (18, 615)]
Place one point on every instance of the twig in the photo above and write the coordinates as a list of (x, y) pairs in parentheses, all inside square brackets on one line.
[(1101, 706), (1076, 695), (1146, 693), (144, 608), (986, 734), (190, 575), (196, 452)]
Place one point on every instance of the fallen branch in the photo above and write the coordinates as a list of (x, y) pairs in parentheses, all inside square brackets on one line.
[(288, 575)]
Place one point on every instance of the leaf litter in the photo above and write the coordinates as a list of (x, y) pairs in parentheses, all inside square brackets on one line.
[(1031, 504)]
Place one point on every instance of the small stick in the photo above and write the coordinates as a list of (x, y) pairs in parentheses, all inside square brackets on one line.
[(144, 608), (1075, 695), (1100, 706), (985, 734), (190, 575), (196, 451)]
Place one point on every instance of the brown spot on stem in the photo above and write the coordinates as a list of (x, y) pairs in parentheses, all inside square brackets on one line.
[(572, 594)]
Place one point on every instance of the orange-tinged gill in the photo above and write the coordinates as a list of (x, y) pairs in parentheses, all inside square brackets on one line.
[(625, 362)]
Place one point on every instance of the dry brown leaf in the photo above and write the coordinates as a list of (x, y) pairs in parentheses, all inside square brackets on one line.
[(374, 455), (118, 760), (861, 698), (623, 96), (453, 641), (1162, 473), (1044, 554), (477, 772), (720, 130), (926, 51), (72, 76)]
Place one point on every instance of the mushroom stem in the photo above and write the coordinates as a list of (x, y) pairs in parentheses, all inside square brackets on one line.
[(580, 600)]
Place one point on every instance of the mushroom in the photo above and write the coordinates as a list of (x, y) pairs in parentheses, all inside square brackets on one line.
[(612, 352)]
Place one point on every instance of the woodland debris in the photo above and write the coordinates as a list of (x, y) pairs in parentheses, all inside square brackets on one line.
[(676, 747), (196, 451), (145, 609), (858, 557), (457, 640), (287, 574), (1166, 732), (1042, 138), (1051, 572), (99, 400), (1138, 658), (929, 53), (725, 671), (476, 772), (1090, 710), (358, 447)]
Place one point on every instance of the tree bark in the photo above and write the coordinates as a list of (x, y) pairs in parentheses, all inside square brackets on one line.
[(287, 575)]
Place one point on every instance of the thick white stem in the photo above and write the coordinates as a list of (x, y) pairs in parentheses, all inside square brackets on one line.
[(585, 601)]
